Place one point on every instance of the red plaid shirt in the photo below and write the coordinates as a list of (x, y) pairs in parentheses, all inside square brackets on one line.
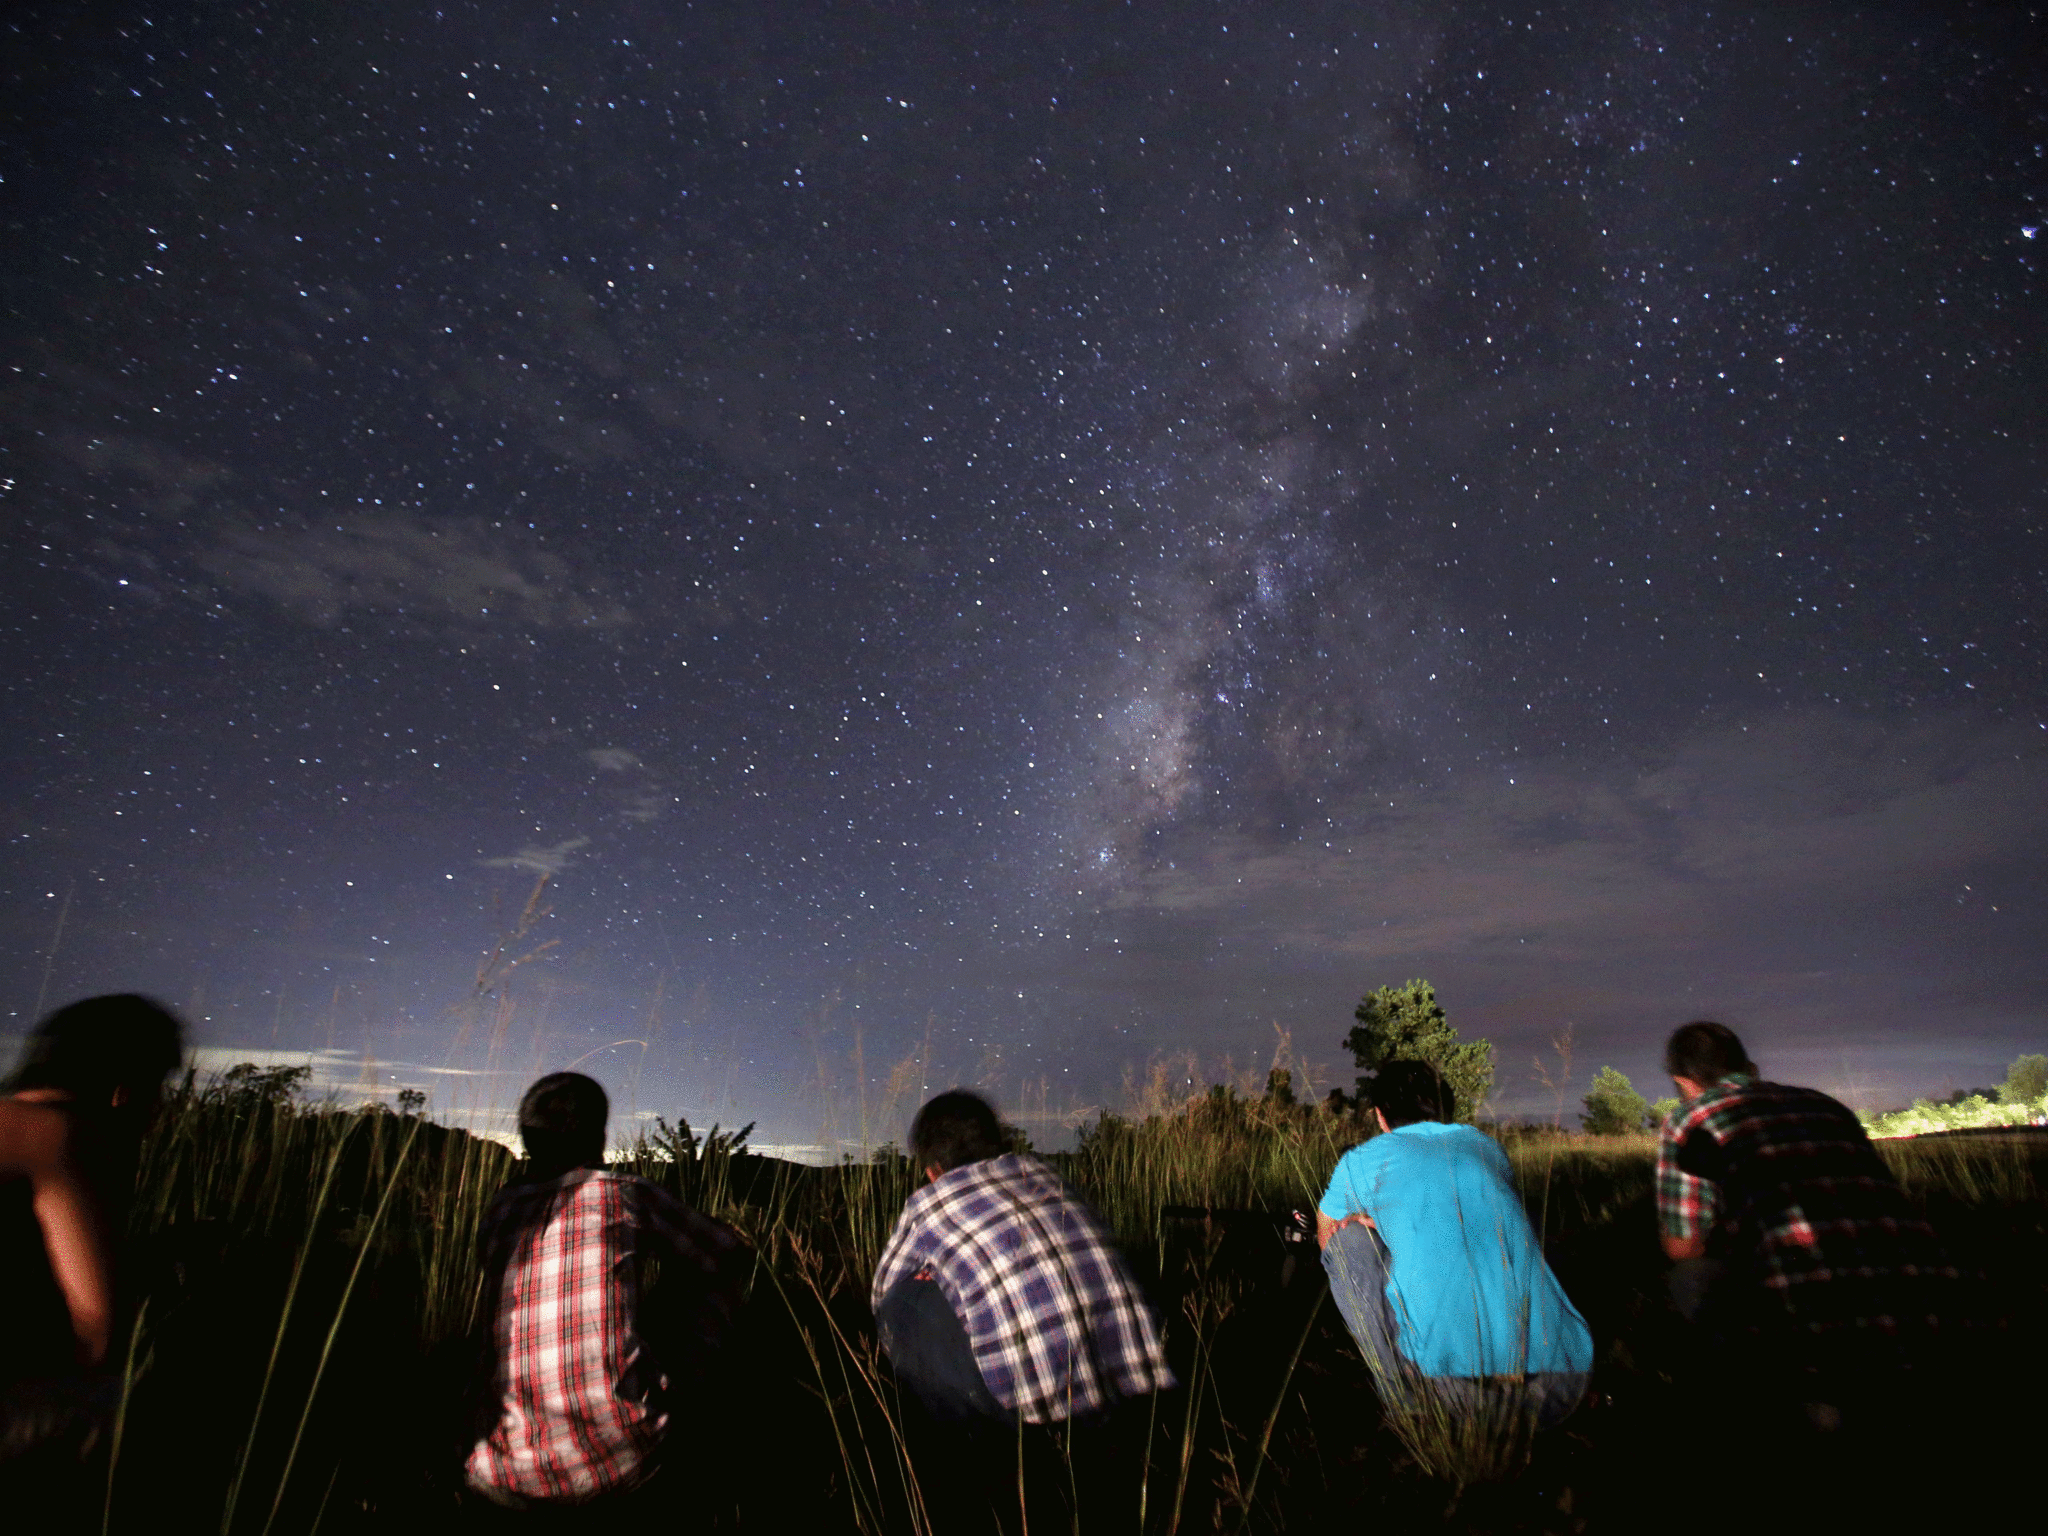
[(578, 1394), (1789, 1192)]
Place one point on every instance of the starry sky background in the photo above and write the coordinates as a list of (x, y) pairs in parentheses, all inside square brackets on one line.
[(1045, 539)]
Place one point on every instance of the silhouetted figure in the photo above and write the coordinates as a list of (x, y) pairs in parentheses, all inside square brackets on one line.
[(579, 1412), (71, 1126), (1002, 1302), (1435, 1268), (1794, 1249)]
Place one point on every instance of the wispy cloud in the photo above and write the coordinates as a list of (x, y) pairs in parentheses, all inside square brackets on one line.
[(334, 1071), (1829, 882), (1801, 807), (319, 570), (551, 860), (639, 793)]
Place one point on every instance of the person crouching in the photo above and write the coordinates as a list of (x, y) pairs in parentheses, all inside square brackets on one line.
[(1436, 1270), (1001, 1300), (579, 1415)]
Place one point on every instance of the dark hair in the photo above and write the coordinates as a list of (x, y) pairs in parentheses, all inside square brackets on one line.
[(955, 1129), (561, 1122), (1408, 1091), (97, 1047), (1706, 1052)]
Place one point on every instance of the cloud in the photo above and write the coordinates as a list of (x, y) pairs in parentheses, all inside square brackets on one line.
[(637, 792), (1846, 887), (158, 479), (551, 860), (1799, 807), (392, 563), (350, 1078)]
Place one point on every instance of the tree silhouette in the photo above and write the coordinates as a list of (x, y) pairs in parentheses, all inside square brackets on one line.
[(1614, 1108), (1406, 1023)]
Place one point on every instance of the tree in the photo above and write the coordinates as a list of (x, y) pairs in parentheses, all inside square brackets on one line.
[(1660, 1111), (2025, 1080), (1965, 1095), (1406, 1023), (246, 1086), (1614, 1108)]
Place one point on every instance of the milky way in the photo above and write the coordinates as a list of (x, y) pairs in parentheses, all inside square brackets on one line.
[(1045, 541)]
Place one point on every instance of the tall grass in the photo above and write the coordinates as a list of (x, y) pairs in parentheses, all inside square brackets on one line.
[(1968, 1170), (1219, 1150), (311, 1271)]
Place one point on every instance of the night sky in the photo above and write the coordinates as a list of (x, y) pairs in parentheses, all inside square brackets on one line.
[(1055, 538)]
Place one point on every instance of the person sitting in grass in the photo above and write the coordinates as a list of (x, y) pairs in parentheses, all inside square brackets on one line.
[(1809, 1274), (72, 1118), (578, 1416), (1435, 1268), (999, 1296)]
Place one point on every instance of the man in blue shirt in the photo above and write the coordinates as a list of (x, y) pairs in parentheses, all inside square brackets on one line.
[(1435, 1268)]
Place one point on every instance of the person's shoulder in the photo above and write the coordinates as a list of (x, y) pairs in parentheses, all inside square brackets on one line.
[(1027, 1168), (1439, 1134), (1374, 1146), (991, 1185), (1814, 1107), (646, 1193), (1004, 1168), (1355, 1153), (521, 1194), (35, 1135), (1470, 1141), (1375, 1153), (1716, 1102), (638, 1192), (1433, 1145), (1797, 1094), (1461, 1134), (1760, 1094), (654, 1206)]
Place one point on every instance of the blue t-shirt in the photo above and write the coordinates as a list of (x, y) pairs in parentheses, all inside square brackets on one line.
[(1470, 1291)]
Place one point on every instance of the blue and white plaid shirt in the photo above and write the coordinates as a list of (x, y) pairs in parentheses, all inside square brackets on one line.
[(1056, 1321)]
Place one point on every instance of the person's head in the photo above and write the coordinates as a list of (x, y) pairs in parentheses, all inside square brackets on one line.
[(561, 1123), (1700, 1054), (1409, 1091), (954, 1129), (104, 1053)]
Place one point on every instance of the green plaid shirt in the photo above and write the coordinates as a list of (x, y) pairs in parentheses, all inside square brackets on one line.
[(1792, 1197)]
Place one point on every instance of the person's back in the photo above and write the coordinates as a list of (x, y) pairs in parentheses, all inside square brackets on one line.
[(1435, 1268), (1471, 1290), (45, 1330), (579, 1409), (71, 1124), (1814, 1244), (1057, 1326), (1009, 1316), (1821, 1301)]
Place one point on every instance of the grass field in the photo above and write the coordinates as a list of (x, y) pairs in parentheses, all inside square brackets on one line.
[(304, 1284)]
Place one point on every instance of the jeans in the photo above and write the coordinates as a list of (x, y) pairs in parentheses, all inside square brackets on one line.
[(1358, 1264), (976, 1462), (1697, 1287), (927, 1345)]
